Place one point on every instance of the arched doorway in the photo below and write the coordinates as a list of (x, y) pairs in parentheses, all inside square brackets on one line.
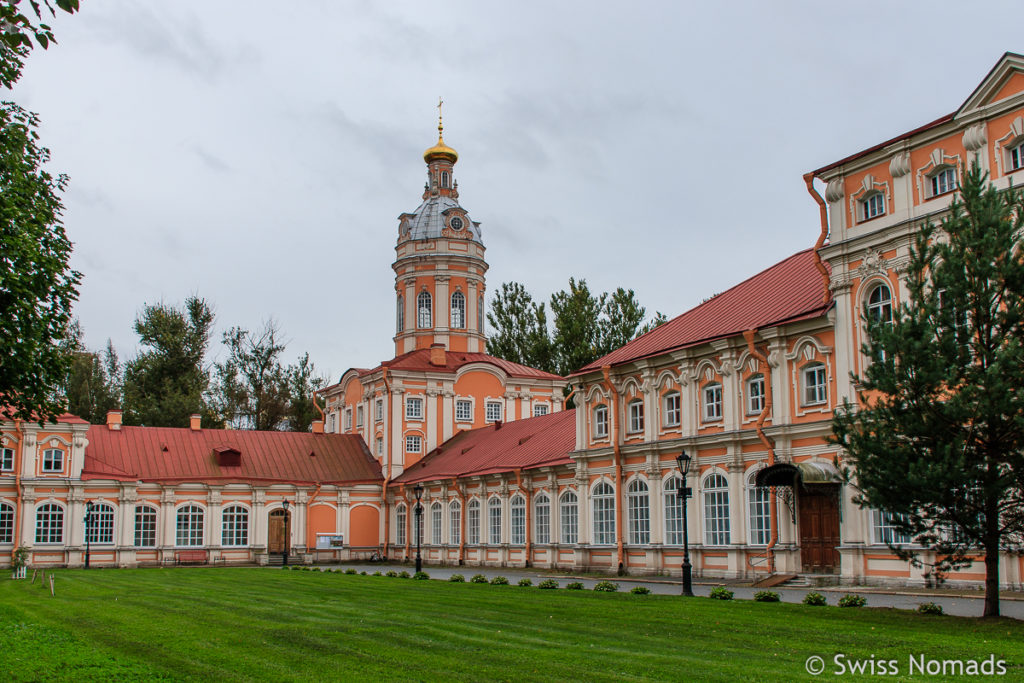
[(277, 533)]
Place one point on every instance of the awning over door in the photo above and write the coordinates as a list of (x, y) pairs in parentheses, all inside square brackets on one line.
[(789, 474)]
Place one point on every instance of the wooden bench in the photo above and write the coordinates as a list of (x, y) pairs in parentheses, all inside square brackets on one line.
[(191, 557)]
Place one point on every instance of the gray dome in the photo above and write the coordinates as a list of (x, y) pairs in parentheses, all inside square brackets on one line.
[(433, 216)]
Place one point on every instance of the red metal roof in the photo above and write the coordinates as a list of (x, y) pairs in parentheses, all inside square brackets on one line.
[(790, 290), (532, 442), (419, 361), (165, 454)]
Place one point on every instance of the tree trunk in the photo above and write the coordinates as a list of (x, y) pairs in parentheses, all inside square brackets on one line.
[(992, 575)]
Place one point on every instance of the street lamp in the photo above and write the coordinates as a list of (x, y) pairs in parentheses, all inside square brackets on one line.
[(287, 529), (88, 530), (683, 460), (419, 513)]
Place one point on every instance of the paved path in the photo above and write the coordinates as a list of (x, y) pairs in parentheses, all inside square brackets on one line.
[(958, 605)]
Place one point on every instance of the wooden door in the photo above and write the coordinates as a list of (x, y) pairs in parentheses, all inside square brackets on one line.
[(819, 528), (276, 532)]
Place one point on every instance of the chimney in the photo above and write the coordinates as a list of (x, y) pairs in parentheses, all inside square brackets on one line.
[(497, 425), (114, 419), (437, 355), (195, 421), (318, 426)]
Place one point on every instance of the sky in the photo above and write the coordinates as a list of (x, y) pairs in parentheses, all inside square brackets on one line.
[(258, 154)]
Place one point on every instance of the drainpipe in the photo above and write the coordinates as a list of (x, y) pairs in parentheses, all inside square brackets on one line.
[(387, 477), (18, 511), (408, 519), (614, 419), (769, 444), (462, 518), (823, 210), (529, 505)]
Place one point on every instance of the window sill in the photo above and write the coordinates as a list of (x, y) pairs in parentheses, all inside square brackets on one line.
[(941, 194), (873, 218)]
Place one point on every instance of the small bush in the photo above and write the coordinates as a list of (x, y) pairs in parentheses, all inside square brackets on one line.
[(815, 599), (499, 581), (606, 587), (574, 586), (525, 583), (640, 590), (548, 584), (421, 576), (362, 573), (377, 574), (478, 578), (457, 578), (721, 593), (852, 600), (351, 572), (391, 573), (404, 574), (766, 596), (929, 608)]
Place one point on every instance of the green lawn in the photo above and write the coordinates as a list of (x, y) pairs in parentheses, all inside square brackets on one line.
[(226, 624)]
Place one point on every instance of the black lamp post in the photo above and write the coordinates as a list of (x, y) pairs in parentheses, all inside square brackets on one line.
[(419, 513), (88, 530), (287, 529), (683, 460)]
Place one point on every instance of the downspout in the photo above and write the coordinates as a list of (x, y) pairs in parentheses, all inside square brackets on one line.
[(618, 467), (18, 511), (387, 477), (462, 518), (769, 444), (529, 504), (408, 519), (823, 209)]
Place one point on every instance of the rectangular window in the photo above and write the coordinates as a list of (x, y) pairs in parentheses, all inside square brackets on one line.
[(473, 523), (518, 510), (53, 460), (716, 517), (400, 522), (464, 411), (755, 395), (873, 206), (542, 519), (814, 385), (568, 514), (435, 524), (604, 519), (100, 528), (944, 181), (1017, 157), (672, 414), (235, 529), (348, 419), (636, 417), (413, 444), (378, 410), (713, 402), (380, 446), (494, 521), (414, 409), (332, 423), (759, 501), (189, 526), (359, 417), (540, 409), (6, 523), (673, 512), (6, 459), (600, 422), (455, 524), (145, 527), (50, 524), (884, 530), (493, 411)]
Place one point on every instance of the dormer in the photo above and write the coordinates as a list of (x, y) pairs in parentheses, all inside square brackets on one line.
[(227, 456)]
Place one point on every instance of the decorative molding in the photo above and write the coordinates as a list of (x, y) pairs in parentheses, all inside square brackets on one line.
[(872, 263), (835, 190), (975, 137), (900, 164)]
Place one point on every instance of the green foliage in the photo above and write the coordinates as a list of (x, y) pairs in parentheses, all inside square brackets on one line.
[(518, 329), (499, 581), (640, 590), (766, 596), (815, 599), (303, 382), (377, 573), (165, 383), (606, 587), (852, 600), (478, 578), (940, 444), (362, 573), (19, 558), (929, 608), (251, 388), (548, 584), (574, 586), (391, 573), (350, 570), (457, 578), (525, 583), (93, 385), (19, 31), (721, 593), (404, 574), (421, 576)]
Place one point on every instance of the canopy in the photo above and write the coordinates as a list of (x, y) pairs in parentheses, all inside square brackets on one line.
[(788, 474)]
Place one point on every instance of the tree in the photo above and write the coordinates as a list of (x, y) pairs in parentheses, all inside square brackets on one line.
[(519, 330), (937, 442), (252, 387), (303, 383), (165, 384), (93, 385), (577, 326), (622, 316), (37, 286)]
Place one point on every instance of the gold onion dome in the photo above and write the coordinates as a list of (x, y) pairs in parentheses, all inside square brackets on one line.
[(440, 150)]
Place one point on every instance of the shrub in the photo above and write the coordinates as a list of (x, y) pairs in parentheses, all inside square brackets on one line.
[(499, 581), (852, 600), (766, 596), (478, 578), (574, 586), (403, 574), (362, 573), (351, 571), (525, 583), (606, 587), (421, 576), (815, 599), (640, 590), (929, 608), (721, 593), (457, 578), (391, 573), (377, 574), (548, 584)]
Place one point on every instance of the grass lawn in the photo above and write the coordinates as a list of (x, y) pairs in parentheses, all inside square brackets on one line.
[(226, 624)]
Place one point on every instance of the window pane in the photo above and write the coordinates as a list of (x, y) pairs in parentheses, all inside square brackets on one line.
[(518, 509), (673, 512), (100, 528), (145, 526), (716, 510), (235, 529), (569, 515), (6, 523), (604, 514), (542, 518), (455, 523), (639, 513), (758, 507), (401, 523)]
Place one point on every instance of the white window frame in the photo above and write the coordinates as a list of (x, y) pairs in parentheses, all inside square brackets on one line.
[(711, 402), (145, 526), (188, 532), (638, 505), (603, 503), (347, 423), (379, 446), (872, 206), (473, 522), (49, 524), (759, 514), (359, 417), (672, 409), (569, 517), (463, 410), (493, 411), (517, 518), (436, 522), (6, 459), (413, 443), (53, 460), (542, 518), (715, 491), (458, 312), (494, 521), (541, 409), (424, 311), (6, 523), (635, 410), (943, 181), (378, 410), (814, 380), (401, 523), (100, 530), (455, 522), (234, 526), (414, 408), (882, 531), (1016, 156), (673, 507), (600, 421), (400, 314), (755, 394)]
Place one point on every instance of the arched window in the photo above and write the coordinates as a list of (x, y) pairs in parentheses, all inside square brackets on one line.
[(400, 314), (568, 515), (494, 521), (815, 383), (473, 522), (100, 528), (639, 513), (604, 514), (458, 311), (401, 523), (480, 314), (455, 523), (6, 523), (542, 518), (444, 179), (673, 512), (716, 510), (424, 308), (759, 513), (189, 526), (49, 523), (942, 181), (435, 523), (880, 304), (518, 509), (235, 526), (872, 206), (755, 394), (145, 526)]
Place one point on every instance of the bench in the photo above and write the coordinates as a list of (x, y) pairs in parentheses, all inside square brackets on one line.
[(191, 557)]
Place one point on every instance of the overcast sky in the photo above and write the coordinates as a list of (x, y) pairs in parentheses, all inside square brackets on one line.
[(259, 153)]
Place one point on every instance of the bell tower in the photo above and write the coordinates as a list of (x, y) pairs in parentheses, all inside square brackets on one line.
[(439, 264)]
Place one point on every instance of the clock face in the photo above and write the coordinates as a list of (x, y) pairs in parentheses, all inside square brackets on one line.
[(456, 223)]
